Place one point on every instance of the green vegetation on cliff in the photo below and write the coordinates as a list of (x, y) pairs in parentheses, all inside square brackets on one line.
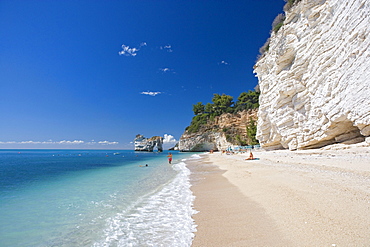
[(290, 4), (251, 132), (278, 22), (221, 104)]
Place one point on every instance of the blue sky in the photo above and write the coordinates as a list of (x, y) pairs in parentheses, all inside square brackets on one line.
[(93, 74)]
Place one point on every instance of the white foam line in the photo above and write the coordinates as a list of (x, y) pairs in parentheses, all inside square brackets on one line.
[(163, 219)]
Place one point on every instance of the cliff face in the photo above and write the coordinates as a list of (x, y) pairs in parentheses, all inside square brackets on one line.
[(218, 134), (315, 78), (148, 144)]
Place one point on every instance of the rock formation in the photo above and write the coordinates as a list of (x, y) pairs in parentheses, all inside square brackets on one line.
[(218, 134), (315, 77), (148, 144)]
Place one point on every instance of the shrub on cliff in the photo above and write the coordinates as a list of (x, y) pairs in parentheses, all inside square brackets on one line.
[(221, 104), (278, 22), (276, 25), (265, 48), (198, 108), (290, 4), (247, 100), (197, 122), (251, 132)]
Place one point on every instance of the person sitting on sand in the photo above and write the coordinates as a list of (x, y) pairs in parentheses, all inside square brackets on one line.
[(250, 156)]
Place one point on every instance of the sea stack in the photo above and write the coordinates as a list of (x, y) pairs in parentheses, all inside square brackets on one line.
[(148, 144)]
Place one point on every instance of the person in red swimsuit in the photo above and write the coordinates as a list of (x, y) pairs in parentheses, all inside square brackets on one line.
[(169, 158), (250, 156)]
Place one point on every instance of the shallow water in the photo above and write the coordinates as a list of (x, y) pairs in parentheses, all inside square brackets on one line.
[(94, 198)]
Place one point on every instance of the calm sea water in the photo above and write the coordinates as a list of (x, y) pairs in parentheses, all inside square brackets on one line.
[(94, 198)]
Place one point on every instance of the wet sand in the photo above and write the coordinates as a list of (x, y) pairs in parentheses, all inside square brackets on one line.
[(303, 198)]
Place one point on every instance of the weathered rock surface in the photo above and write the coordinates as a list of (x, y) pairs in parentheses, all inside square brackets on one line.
[(315, 78), (217, 134), (148, 144)]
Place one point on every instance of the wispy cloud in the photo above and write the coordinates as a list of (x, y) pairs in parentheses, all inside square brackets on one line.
[(151, 93), (44, 142), (63, 142), (167, 70), (127, 51), (131, 52), (169, 139), (223, 62), (108, 143), (71, 142), (167, 48)]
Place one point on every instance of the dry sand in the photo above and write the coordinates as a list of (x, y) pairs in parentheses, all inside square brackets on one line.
[(315, 197)]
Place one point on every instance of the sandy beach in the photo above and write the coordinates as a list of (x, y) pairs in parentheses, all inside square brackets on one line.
[(318, 197)]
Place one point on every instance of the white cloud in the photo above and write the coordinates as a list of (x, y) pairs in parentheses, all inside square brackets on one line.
[(127, 51), (151, 93), (168, 138), (70, 142), (167, 48), (29, 142), (223, 62), (167, 70), (131, 52), (7, 142)]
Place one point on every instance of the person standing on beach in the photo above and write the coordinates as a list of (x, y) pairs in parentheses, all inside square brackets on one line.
[(169, 158)]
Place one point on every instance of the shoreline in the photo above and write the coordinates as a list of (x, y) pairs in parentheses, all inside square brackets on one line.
[(317, 197), (225, 216)]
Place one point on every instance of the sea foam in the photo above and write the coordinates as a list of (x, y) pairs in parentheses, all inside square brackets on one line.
[(163, 218)]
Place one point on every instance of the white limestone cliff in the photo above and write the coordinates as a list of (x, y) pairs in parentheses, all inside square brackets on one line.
[(315, 78)]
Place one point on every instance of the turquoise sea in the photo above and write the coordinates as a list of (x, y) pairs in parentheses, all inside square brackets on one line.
[(95, 198)]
